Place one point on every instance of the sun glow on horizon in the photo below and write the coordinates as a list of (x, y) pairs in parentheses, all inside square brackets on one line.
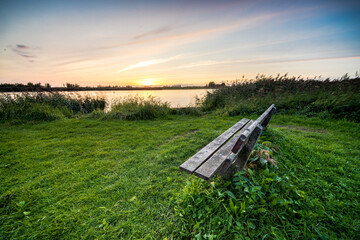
[(147, 82)]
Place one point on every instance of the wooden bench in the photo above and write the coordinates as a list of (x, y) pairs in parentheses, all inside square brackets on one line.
[(230, 151)]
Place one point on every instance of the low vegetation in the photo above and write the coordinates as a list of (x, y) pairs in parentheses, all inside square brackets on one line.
[(45, 106), (339, 99), (138, 108)]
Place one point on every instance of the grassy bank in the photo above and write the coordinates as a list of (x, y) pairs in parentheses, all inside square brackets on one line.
[(329, 99), (45, 106), (108, 179), (339, 99)]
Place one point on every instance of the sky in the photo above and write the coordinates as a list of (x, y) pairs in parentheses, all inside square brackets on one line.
[(122, 43)]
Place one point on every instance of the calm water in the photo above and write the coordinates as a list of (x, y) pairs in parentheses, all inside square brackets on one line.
[(176, 98)]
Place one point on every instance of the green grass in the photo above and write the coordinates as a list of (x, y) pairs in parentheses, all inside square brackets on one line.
[(108, 179)]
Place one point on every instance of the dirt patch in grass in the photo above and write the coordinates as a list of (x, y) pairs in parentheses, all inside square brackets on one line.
[(301, 128), (179, 136)]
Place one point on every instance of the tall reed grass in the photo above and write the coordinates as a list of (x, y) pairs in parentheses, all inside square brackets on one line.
[(292, 95), (45, 106), (138, 108)]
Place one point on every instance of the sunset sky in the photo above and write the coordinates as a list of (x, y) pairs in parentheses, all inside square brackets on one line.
[(175, 42)]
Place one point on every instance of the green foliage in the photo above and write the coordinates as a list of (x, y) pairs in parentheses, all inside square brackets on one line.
[(338, 99), (138, 108), (45, 106), (253, 205)]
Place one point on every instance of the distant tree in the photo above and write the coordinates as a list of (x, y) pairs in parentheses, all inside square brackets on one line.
[(70, 85), (212, 85)]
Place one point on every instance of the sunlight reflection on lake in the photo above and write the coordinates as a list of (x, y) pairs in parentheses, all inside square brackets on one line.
[(175, 97)]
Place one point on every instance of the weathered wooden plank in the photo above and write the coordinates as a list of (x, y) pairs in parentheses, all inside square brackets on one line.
[(205, 153), (263, 120), (266, 116), (243, 137), (267, 119), (216, 161)]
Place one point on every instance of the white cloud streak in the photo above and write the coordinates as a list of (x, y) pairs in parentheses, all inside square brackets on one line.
[(265, 61), (148, 63)]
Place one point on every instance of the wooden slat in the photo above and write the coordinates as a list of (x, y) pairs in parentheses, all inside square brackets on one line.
[(268, 113), (263, 120), (215, 162), (243, 137), (244, 154), (205, 153)]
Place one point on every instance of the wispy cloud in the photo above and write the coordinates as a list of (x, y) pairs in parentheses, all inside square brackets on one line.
[(74, 61), (205, 63), (264, 61), (25, 51), (155, 32), (20, 46), (312, 59), (148, 63), (193, 35)]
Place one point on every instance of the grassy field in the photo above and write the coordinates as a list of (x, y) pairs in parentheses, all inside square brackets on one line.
[(107, 179)]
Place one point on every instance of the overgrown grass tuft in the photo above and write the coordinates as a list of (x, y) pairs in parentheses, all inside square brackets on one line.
[(45, 106), (339, 99), (138, 108)]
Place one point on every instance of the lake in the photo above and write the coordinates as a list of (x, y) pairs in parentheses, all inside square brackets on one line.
[(175, 97)]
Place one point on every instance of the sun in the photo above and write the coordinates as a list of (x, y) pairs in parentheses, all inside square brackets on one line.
[(147, 82)]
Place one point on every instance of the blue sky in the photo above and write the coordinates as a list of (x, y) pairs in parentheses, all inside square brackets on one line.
[(175, 42)]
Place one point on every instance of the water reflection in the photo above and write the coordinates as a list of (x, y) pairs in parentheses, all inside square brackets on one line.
[(176, 98)]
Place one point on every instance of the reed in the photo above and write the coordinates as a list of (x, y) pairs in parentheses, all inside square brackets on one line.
[(138, 108), (339, 98)]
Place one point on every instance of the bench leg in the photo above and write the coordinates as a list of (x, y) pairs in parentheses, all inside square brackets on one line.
[(243, 155)]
